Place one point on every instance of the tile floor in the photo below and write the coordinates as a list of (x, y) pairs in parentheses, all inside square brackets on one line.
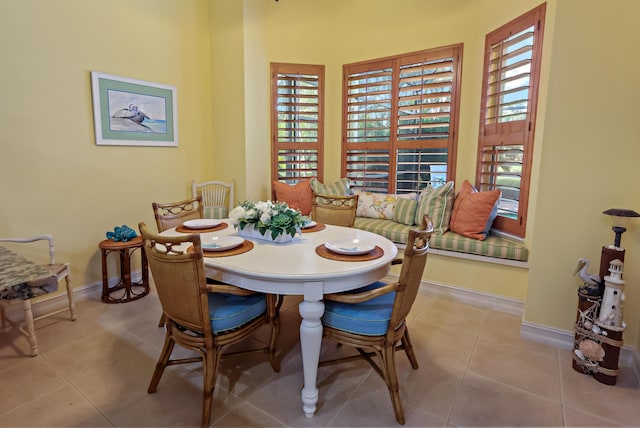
[(475, 370)]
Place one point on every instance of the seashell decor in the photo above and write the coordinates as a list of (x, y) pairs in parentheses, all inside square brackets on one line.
[(592, 350)]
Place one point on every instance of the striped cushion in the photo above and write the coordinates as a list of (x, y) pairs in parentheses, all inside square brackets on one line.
[(339, 188), (370, 318), (215, 212), (397, 232), (228, 311), (493, 246), (405, 211), (438, 203)]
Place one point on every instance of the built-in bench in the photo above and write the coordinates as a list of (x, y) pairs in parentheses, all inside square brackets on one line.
[(493, 246)]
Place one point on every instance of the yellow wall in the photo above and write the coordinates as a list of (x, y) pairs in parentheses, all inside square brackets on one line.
[(53, 177), (217, 54)]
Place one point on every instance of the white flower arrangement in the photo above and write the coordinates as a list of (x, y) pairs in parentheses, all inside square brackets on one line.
[(275, 217)]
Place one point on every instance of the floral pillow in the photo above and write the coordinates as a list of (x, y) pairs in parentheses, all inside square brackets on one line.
[(379, 205)]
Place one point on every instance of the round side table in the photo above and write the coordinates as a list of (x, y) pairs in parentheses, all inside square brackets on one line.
[(131, 290)]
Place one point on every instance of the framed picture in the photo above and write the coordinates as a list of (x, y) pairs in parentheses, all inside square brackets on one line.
[(130, 112)]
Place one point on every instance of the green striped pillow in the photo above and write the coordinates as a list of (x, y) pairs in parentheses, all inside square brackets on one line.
[(405, 211), (438, 203), (339, 188)]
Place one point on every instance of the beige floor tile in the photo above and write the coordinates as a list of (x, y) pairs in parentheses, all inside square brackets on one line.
[(440, 345), (62, 407), (92, 353), (618, 403), (26, 381), (117, 385), (245, 415), (474, 370), (518, 366), (438, 312), (175, 403), (579, 418), (372, 408), (482, 402), (14, 348)]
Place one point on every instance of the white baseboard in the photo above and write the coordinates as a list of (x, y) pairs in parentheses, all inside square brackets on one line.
[(475, 298)]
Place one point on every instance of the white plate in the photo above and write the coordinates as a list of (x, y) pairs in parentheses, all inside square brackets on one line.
[(310, 224), (221, 243), (201, 223), (349, 246)]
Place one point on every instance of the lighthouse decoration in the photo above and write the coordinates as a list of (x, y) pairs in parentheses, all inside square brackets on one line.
[(611, 307)]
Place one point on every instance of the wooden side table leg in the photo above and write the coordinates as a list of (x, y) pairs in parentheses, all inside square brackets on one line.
[(125, 263), (105, 277)]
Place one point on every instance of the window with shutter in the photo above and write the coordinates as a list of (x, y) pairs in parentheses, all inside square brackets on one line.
[(297, 121), (400, 120), (507, 116)]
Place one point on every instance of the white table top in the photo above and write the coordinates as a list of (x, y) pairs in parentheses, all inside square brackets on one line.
[(293, 267)]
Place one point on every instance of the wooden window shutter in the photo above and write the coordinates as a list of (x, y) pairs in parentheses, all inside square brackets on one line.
[(507, 116), (297, 121)]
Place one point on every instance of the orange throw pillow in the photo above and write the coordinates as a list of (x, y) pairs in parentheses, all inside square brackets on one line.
[(474, 212), (298, 196)]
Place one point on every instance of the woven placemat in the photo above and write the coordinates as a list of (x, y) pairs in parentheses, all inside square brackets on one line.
[(322, 251), (315, 228), (243, 248), (183, 229)]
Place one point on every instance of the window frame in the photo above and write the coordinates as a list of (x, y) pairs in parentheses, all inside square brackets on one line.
[(515, 133), (396, 141), (278, 69)]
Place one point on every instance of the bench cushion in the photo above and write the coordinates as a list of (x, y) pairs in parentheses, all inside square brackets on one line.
[(493, 246)]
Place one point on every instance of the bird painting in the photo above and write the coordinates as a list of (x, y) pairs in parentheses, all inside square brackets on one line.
[(591, 283)]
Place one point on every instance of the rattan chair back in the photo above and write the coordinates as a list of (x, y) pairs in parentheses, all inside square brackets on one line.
[(336, 210), (173, 214)]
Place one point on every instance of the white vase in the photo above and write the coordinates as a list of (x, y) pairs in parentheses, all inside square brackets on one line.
[(250, 232)]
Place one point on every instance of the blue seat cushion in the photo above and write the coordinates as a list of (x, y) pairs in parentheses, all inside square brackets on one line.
[(370, 318), (228, 311)]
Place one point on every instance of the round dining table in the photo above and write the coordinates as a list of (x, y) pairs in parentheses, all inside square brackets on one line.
[(304, 266)]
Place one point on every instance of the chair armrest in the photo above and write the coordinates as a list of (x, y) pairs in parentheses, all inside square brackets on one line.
[(361, 297), (229, 289)]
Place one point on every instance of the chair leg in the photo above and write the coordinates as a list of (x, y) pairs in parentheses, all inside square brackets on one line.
[(273, 307), (210, 369), (388, 359), (30, 331), (167, 348), (408, 349), (72, 305), (162, 321)]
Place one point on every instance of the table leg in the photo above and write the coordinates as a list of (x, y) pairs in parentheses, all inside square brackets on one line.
[(311, 310)]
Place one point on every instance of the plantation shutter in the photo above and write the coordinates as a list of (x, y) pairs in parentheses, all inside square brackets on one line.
[(507, 121), (425, 136), (399, 121), (297, 121), (368, 125)]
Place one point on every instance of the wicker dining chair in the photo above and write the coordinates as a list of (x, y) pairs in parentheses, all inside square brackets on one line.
[(373, 318), (200, 316), (172, 214), (51, 274), (336, 210)]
